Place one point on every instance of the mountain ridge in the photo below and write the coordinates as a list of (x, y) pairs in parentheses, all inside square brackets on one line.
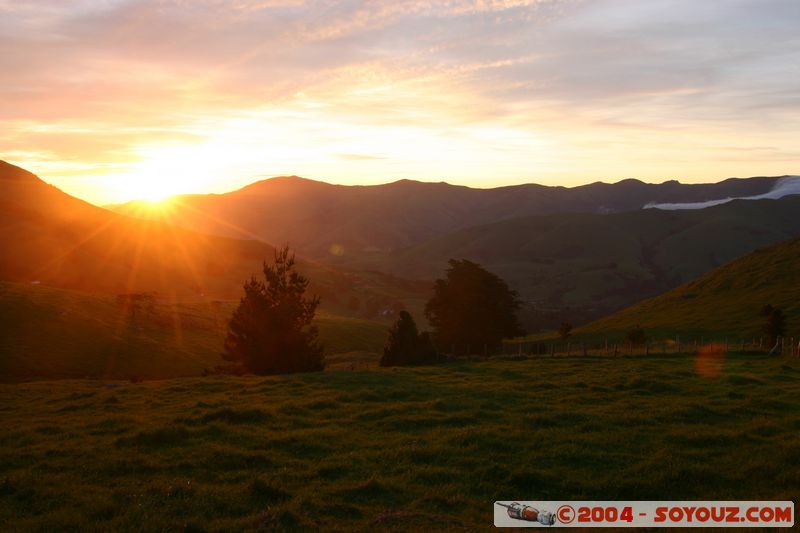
[(575, 265), (295, 179), (318, 217)]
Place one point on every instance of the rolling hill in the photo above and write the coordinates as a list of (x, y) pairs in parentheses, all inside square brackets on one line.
[(330, 222), (583, 266), (573, 253), (55, 239), (576, 265), (723, 302), (49, 333)]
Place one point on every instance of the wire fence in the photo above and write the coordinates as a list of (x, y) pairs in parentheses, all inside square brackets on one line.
[(787, 346)]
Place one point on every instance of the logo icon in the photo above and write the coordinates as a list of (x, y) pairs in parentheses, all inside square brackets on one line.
[(527, 513)]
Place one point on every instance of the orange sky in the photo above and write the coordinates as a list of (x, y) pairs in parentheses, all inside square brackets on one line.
[(114, 100)]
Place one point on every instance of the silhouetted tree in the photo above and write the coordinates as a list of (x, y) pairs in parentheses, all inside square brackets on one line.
[(565, 330), (271, 331), (636, 335), (405, 346), (472, 307), (775, 325), (403, 343)]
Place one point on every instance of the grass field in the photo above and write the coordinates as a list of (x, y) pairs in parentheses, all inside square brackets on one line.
[(416, 449), (56, 333)]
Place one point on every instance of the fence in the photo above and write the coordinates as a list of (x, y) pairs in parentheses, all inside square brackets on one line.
[(788, 346)]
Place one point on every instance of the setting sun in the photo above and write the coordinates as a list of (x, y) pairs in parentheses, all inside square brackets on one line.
[(165, 171), (148, 188)]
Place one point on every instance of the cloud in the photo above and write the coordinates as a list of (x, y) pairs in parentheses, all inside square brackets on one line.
[(708, 61), (786, 186), (658, 86)]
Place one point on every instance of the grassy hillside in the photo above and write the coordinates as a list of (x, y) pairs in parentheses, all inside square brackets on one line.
[(49, 236), (725, 302), (327, 222), (55, 333), (579, 266), (426, 449)]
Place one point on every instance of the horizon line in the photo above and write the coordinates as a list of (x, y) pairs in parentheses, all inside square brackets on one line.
[(264, 178)]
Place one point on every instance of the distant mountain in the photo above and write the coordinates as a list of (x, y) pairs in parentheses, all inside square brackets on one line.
[(592, 252), (581, 266), (50, 237), (327, 221), (722, 303)]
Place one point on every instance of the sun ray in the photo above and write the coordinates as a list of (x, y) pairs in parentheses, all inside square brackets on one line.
[(130, 284), (59, 258), (220, 221), (185, 256)]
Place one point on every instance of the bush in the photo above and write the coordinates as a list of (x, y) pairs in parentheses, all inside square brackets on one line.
[(637, 335), (775, 325), (565, 330), (405, 346)]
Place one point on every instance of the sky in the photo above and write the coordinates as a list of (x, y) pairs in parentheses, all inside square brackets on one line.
[(113, 100)]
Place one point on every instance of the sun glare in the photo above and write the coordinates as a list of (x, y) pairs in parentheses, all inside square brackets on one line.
[(167, 171), (151, 191)]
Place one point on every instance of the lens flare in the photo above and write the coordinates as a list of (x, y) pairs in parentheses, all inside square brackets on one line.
[(710, 360)]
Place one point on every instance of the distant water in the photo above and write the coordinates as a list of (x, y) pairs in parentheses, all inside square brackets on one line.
[(784, 187)]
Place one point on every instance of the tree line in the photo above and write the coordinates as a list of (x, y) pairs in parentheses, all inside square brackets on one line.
[(271, 330), (472, 309)]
